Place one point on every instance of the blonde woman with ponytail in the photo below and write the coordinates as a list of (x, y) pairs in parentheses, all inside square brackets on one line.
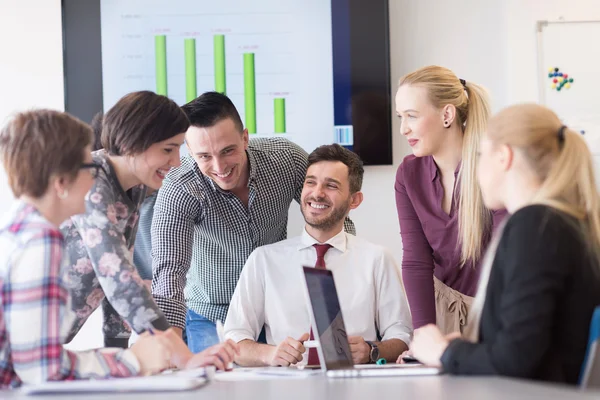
[(444, 224), (540, 280)]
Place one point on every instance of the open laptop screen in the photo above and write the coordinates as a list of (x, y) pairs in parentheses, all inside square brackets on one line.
[(331, 330)]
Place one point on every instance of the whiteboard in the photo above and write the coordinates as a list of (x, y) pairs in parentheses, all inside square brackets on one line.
[(571, 46)]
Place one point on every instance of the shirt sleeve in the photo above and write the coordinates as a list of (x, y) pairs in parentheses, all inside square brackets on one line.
[(35, 305), (532, 269), (300, 158), (417, 258), (392, 313), (111, 259), (172, 244), (246, 315)]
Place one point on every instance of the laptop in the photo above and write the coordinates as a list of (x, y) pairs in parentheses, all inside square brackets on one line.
[(334, 349)]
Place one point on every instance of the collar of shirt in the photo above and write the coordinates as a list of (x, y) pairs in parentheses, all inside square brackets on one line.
[(339, 241), (434, 172)]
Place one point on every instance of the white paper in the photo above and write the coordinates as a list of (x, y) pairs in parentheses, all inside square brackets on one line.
[(136, 384)]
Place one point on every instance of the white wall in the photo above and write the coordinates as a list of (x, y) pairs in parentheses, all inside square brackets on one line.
[(31, 68), (31, 75), (520, 66), (491, 42)]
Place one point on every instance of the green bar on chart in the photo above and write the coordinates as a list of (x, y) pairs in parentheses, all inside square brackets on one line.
[(249, 92), (160, 53), (190, 69), (219, 52), (279, 108)]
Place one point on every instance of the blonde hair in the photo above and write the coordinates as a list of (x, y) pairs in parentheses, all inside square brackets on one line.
[(559, 157), (472, 113), (562, 162)]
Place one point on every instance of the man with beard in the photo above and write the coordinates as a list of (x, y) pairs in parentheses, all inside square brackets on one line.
[(229, 196), (270, 291)]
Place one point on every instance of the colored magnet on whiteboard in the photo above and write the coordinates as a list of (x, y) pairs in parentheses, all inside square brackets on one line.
[(556, 69), (560, 79), (550, 69), (550, 75), (568, 85), (554, 80), (553, 86), (582, 132), (555, 74), (560, 74), (565, 76), (558, 88), (571, 80)]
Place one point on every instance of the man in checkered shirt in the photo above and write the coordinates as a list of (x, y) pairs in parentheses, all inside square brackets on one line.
[(229, 196)]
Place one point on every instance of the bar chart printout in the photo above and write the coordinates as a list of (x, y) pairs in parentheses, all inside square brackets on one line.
[(267, 57), (220, 84)]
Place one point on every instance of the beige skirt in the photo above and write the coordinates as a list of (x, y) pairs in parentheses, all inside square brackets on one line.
[(451, 308)]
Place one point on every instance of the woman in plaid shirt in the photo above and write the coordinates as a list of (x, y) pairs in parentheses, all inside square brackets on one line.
[(46, 155)]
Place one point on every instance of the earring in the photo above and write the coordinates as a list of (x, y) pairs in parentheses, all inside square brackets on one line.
[(64, 194), (446, 124)]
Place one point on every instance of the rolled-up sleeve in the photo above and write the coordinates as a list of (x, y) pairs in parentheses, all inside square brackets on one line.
[(393, 314), (246, 315)]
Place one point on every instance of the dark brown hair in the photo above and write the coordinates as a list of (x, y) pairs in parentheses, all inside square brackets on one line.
[(37, 145), (139, 120), (335, 152), (96, 125), (210, 108)]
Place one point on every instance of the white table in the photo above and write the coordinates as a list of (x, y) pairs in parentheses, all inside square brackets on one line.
[(401, 388)]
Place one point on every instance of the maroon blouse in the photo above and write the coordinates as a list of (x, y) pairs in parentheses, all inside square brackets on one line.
[(430, 238)]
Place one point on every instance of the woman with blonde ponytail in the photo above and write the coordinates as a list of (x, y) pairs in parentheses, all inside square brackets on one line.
[(444, 224), (540, 280)]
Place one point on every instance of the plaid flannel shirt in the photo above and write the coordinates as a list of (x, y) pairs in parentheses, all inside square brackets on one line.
[(35, 309)]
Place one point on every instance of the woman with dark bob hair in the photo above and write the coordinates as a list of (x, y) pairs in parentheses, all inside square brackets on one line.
[(141, 136)]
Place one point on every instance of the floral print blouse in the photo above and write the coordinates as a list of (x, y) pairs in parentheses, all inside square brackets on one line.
[(99, 247)]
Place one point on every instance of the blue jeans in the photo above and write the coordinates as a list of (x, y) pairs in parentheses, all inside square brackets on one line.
[(201, 333)]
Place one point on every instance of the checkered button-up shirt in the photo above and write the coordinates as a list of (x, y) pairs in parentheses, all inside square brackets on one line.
[(202, 235), (35, 309)]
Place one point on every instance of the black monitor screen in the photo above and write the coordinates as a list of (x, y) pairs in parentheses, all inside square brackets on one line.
[(315, 71)]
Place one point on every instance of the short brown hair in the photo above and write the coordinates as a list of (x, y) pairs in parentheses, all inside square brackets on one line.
[(139, 120), (36, 145), (335, 152)]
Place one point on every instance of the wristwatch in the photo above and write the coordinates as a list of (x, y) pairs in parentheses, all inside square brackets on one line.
[(374, 353)]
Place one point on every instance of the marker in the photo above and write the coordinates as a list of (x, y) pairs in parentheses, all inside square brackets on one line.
[(311, 344)]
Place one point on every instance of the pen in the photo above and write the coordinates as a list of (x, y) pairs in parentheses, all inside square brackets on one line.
[(150, 328)]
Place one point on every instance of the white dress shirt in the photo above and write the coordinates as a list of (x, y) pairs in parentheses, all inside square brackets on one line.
[(271, 291)]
